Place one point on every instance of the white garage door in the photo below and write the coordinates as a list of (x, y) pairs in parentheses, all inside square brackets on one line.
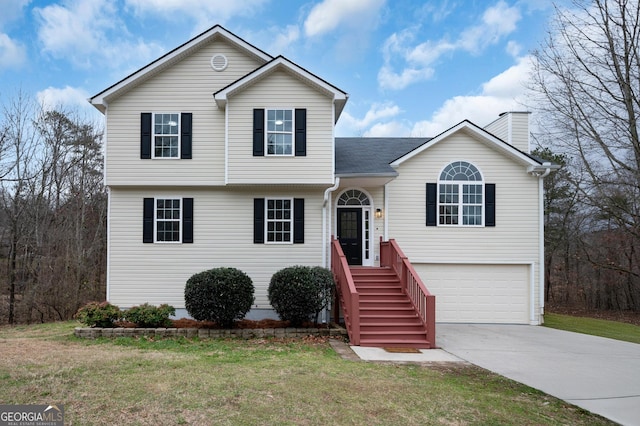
[(478, 293)]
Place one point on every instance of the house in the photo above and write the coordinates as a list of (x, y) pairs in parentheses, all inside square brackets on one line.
[(218, 154)]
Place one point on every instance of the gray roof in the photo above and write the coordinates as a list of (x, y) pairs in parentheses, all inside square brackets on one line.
[(372, 156)]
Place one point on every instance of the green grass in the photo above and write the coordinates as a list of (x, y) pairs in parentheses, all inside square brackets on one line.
[(255, 382), (596, 327)]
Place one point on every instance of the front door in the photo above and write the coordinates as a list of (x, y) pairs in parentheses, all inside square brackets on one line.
[(350, 234)]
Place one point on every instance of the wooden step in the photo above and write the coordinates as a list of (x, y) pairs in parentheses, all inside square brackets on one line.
[(377, 288), (387, 316), (396, 343)]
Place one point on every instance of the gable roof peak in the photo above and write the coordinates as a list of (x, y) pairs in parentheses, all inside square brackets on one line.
[(101, 99), (280, 62)]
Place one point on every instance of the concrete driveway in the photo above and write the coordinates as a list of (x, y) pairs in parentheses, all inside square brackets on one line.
[(600, 375)]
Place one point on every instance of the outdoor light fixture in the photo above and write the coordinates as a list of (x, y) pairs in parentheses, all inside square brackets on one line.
[(378, 213)]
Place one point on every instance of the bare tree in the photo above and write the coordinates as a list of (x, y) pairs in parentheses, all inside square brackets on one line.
[(587, 77), (52, 213), (21, 140)]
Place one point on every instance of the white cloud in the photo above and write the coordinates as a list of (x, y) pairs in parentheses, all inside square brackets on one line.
[(90, 34), (417, 61), (513, 48), (204, 13), (283, 38), (67, 97), (330, 14), (11, 10), (350, 125), (388, 129), (348, 23), (504, 92), (12, 53)]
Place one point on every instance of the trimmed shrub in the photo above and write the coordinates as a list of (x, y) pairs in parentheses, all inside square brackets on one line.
[(98, 314), (222, 295), (149, 316), (299, 293)]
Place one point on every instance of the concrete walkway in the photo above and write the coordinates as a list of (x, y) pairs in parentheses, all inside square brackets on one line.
[(600, 375)]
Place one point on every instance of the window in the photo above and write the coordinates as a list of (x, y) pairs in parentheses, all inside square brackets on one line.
[(279, 131), (278, 220), (165, 136), (168, 220), (460, 195)]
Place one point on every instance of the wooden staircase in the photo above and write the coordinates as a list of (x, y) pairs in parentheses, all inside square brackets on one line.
[(387, 315)]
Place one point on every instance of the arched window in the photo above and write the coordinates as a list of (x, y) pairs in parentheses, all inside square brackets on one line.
[(460, 195), (353, 197)]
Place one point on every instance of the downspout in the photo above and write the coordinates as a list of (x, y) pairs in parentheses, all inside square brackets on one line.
[(541, 240), (326, 263)]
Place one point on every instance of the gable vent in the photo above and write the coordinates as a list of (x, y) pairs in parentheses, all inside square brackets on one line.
[(219, 62)]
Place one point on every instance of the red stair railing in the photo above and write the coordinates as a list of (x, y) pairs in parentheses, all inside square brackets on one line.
[(347, 293), (425, 303)]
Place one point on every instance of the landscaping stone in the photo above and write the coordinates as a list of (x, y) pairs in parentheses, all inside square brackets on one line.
[(205, 333)]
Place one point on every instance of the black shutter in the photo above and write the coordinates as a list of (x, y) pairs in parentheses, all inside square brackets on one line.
[(258, 220), (145, 135), (258, 132), (490, 204), (301, 132), (185, 135), (432, 204), (298, 220), (187, 220), (147, 220)]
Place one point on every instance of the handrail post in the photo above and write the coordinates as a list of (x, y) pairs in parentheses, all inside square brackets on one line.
[(347, 291), (424, 302)]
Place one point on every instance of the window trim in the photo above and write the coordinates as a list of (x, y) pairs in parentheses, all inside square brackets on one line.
[(460, 204), (292, 133), (153, 135), (290, 220), (149, 219), (155, 219)]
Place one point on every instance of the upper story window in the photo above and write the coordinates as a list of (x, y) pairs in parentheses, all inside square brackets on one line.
[(166, 136), (279, 131), (460, 195)]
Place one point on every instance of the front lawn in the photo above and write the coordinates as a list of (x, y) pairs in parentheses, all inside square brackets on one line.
[(596, 327), (254, 382)]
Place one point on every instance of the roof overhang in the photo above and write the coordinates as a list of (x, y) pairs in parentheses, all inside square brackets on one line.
[(365, 180), (281, 63), (101, 100), (481, 135)]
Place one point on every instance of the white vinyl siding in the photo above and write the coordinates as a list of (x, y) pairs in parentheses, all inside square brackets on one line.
[(223, 236), (188, 86), (513, 128), (514, 239), (280, 90)]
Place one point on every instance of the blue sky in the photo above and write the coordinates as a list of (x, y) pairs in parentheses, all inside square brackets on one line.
[(411, 68)]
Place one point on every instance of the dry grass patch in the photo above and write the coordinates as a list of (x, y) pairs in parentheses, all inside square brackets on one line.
[(255, 382)]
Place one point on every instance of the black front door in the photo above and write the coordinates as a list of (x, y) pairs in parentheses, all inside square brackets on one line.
[(350, 234)]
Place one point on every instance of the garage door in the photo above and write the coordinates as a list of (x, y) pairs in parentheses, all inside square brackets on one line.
[(478, 293)]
